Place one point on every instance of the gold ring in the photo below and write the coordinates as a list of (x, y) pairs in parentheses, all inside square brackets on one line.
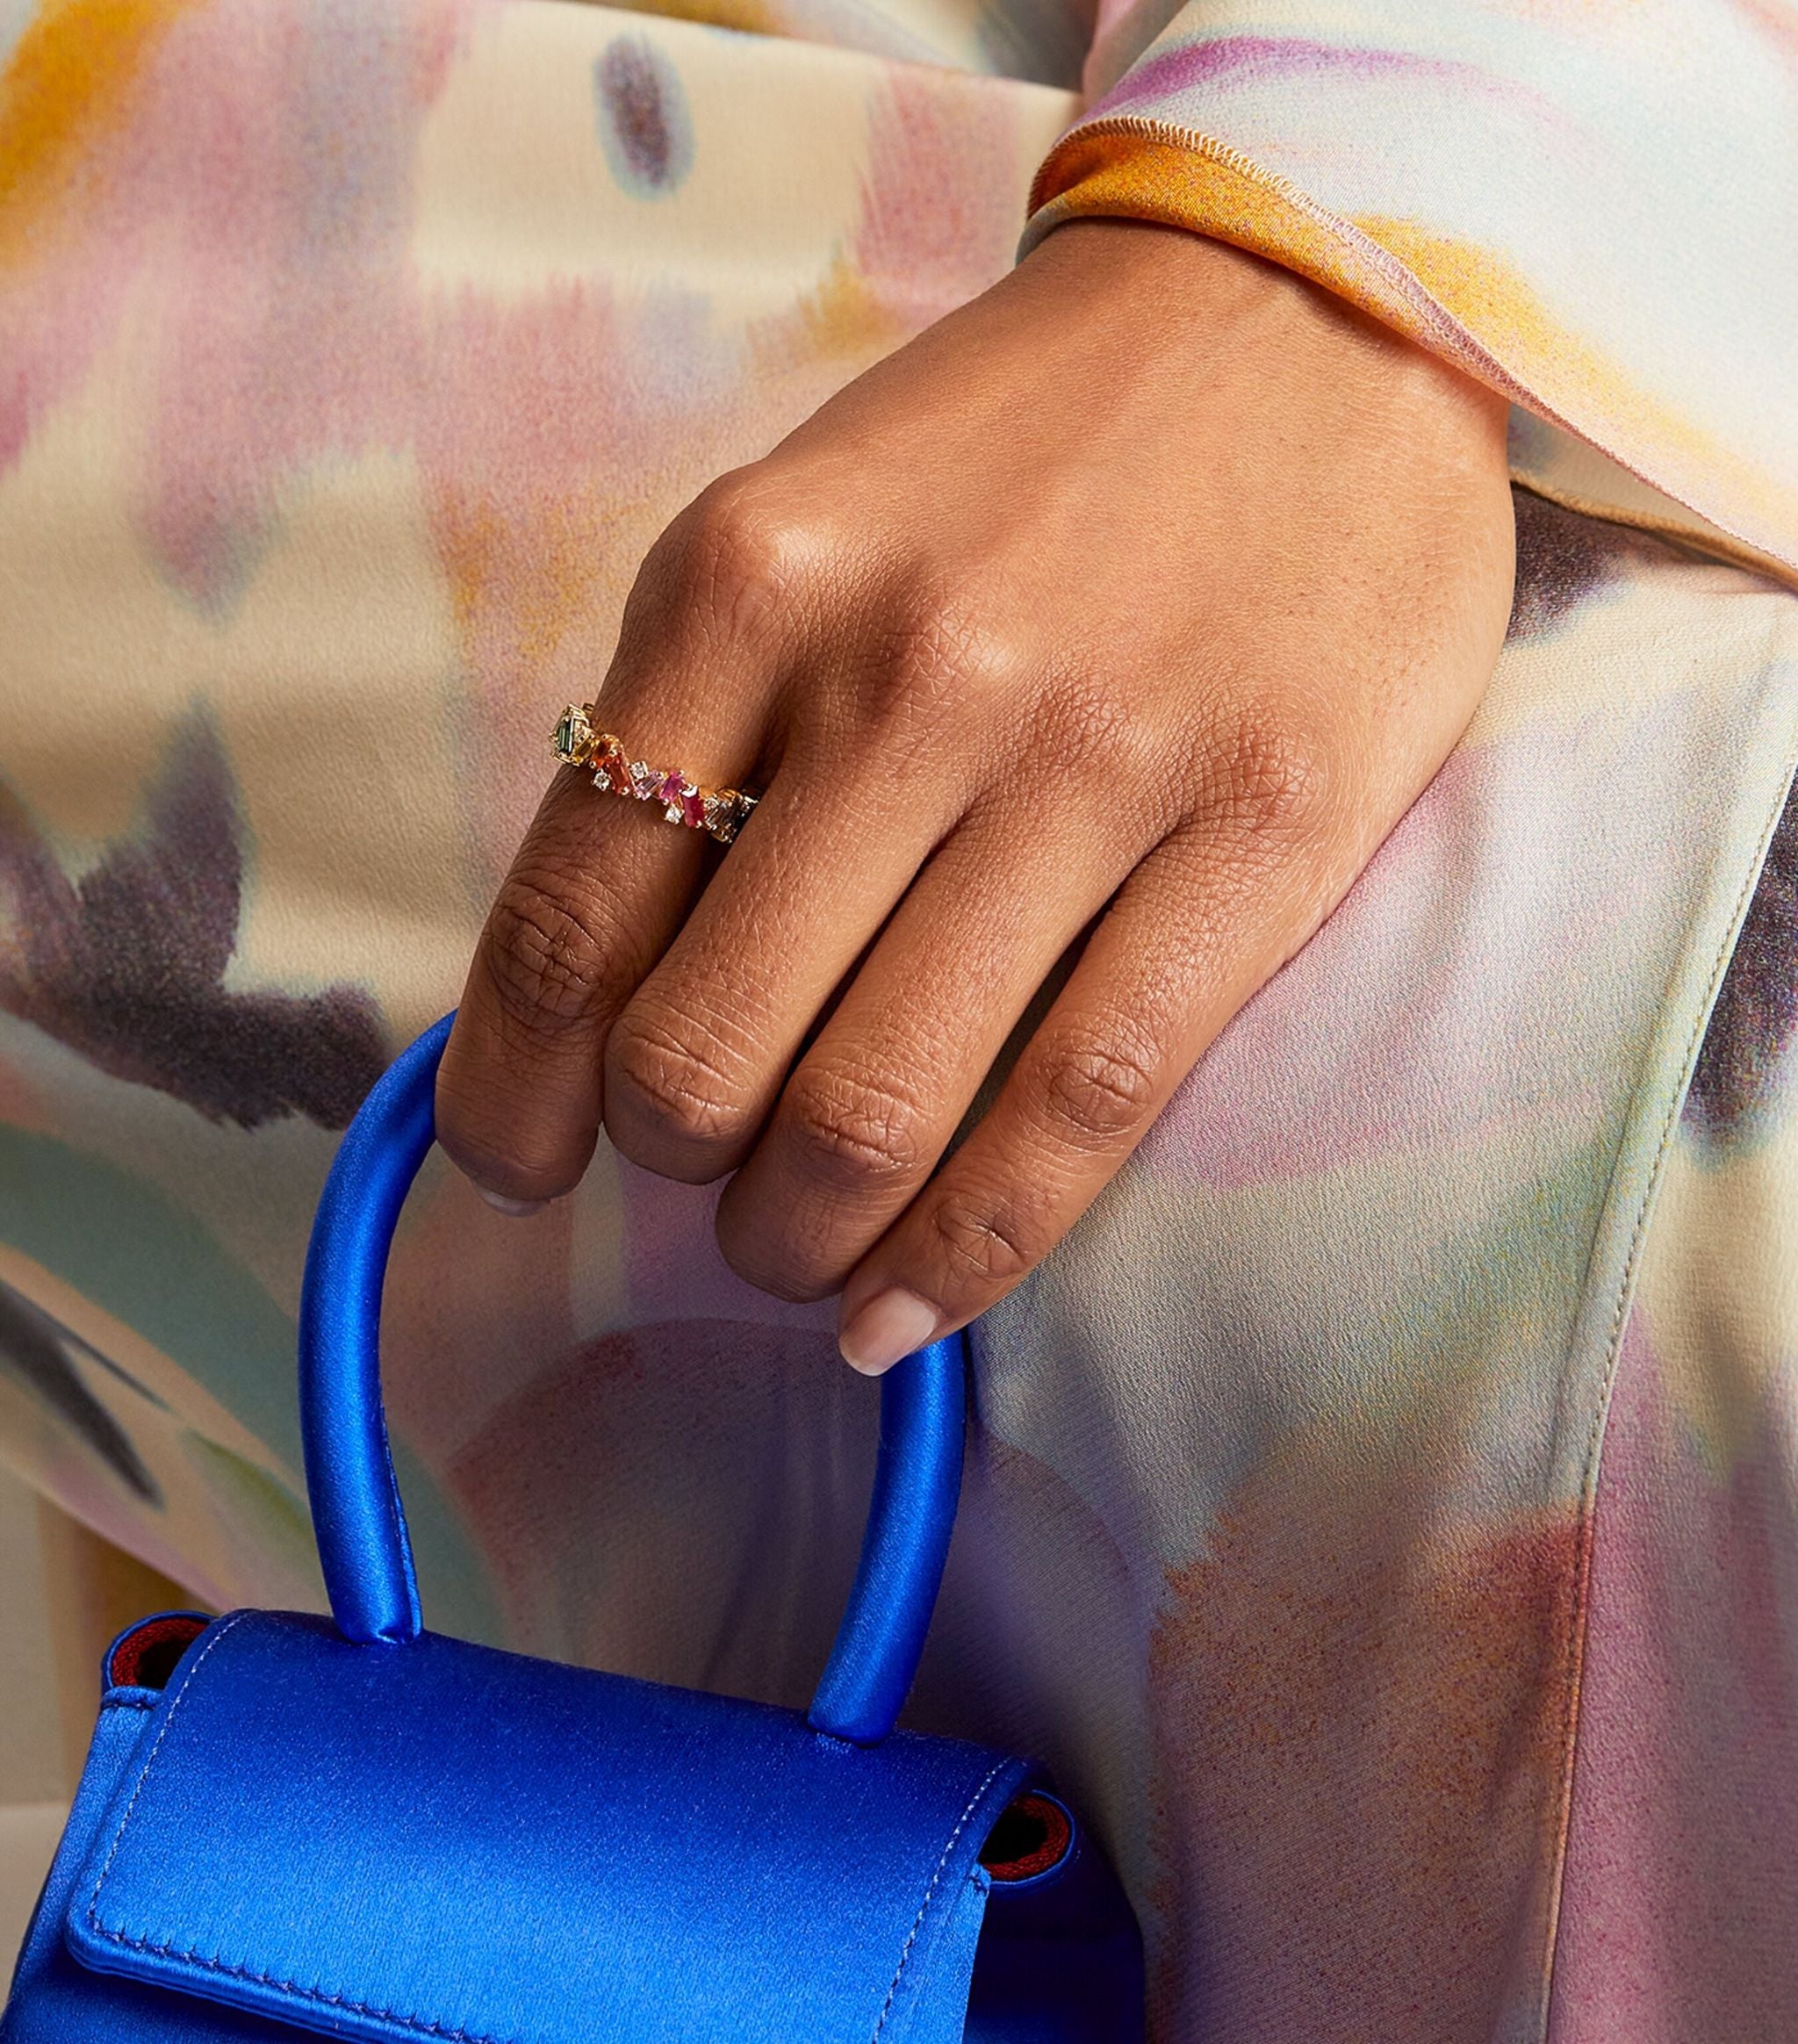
[(721, 810)]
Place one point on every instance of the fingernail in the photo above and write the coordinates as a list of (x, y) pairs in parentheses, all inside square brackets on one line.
[(516, 1208), (890, 1326)]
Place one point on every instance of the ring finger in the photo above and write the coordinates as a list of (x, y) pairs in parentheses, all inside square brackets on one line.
[(697, 1058)]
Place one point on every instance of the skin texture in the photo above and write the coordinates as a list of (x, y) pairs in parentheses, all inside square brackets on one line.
[(1122, 613)]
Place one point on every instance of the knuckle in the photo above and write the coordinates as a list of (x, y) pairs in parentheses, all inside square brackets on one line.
[(939, 649), (1099, 1089), (853, 1131), (1273, 775), (982, 1242), (1089, 734), (666, 1077), (552, 949), (741, 556), (1084, 719)]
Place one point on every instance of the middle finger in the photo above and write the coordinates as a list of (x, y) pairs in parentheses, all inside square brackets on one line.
[(697, 1058)]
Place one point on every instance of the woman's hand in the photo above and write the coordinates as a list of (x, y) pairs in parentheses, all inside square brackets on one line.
[(1136, 599)]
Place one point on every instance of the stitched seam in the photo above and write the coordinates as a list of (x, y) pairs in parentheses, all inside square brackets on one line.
[(195, 1957), (419, 2025), (1208, 149), (1575, 1662), (924, 1907), (93, 1911)]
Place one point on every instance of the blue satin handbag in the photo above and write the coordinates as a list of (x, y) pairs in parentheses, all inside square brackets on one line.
[(291, 1827)]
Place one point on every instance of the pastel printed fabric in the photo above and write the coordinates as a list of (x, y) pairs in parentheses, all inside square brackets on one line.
[(1679, 1899), (1045, 41), (1595, 209), (1381, 1511)]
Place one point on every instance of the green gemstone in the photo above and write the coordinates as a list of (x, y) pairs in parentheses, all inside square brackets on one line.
[(571, 736)]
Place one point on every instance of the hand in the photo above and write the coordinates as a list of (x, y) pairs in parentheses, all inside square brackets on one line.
[(1134, 603)]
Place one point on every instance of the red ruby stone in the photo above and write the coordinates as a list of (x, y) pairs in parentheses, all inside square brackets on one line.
[(693, 809)]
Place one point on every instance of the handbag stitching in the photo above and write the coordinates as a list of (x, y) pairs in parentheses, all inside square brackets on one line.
[(192, 1954), (119, 1835), (924, 1907), (420, 2025)]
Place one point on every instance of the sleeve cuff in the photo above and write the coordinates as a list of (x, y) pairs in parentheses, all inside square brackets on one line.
[(1640, 393)]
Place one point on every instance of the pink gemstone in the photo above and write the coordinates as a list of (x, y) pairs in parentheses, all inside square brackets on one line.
[(668, 794), (693, 808)]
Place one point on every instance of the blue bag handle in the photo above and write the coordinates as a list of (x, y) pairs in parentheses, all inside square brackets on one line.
[(363, 1547)]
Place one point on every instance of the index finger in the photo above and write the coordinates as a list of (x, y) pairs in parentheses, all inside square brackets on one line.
[(593, 896)]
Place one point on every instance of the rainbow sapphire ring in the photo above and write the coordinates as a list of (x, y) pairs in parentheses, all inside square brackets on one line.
[(721, 810)]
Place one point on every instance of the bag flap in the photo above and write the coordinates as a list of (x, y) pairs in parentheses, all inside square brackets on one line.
[(437, 1840)]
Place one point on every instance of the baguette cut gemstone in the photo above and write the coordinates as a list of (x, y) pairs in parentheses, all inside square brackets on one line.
[(573, 735), (579, 742), (724, 811)]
